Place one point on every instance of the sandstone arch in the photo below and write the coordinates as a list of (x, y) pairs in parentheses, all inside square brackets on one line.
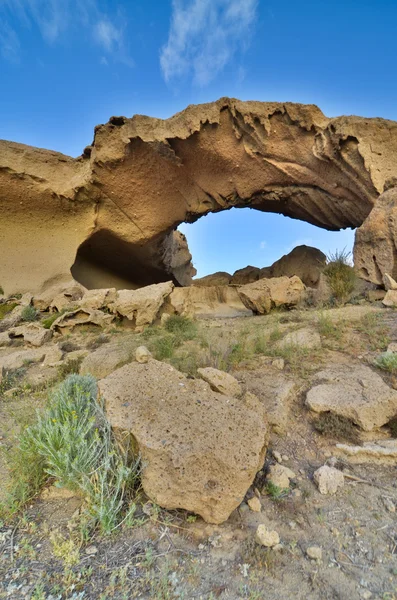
[(142, 177)]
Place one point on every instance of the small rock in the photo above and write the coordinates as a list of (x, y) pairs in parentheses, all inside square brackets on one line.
[(267, 538), (91, 550), (392, 347), (280, 476), (142, 354), (277, 456), (328, 479), (314, 552), (278, 363), (365, 594), (285, 458), (389, 504), (255, 504), (220, 381), (389, 282)]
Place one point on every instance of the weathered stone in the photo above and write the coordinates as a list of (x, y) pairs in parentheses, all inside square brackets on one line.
[(220, 381), (355, 392), (328, 480), (280, 476), (305, 262), (142, 306), (390, 298), (215, 301), (16, 360), (304, 338), (67, 299), (278, 363), (53, 356), (5, 339), (142, 354), (216, 279), (61, 294), (12, 318), (375, 295), (392, 347), (378, 452), (200, 450), (96, 299), (265, 294), (314, 552), (265, 537), (255, 504), (81, 316), (276, 392), (106, 359), (32, 333), (389, 282)]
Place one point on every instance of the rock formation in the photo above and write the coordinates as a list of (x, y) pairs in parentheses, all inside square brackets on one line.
[(110, 215)]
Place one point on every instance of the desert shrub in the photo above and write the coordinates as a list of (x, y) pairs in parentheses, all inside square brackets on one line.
[(387, 361), (102, 338), (69, 367), (337, 427), (341, 275), (73, 444), (182, 327), (29, 314), (327, 328), (48, 321), (163, 346), (376, 331), (6, 308)]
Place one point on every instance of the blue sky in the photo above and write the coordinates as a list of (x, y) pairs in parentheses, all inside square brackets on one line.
[(67, 65)]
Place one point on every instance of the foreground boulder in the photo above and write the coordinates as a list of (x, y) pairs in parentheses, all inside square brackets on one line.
[(263, 295), (200, 450), (142, 306), (355, 392)]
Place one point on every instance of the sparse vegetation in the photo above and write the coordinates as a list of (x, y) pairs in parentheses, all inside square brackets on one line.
[(374, 328), (6, 308), (337, 427), (275, 492), (341, 275), (29, 314), (48, 321), (69, 367), (72, 443), (328, 328), (387, 361)]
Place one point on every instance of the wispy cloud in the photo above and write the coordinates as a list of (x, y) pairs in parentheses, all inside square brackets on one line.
[(204, 36), (55, 18)]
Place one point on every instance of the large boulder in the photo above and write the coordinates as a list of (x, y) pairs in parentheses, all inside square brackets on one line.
[(305, 262), (355, 392), (59, 296), (245, 275), (215, 301), (142, 306), (106, 359), (32, 333), (200, 450), (263, 295), (218, 278)]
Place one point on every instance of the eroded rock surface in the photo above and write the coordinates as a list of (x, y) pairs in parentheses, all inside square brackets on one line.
[(200, 449), (263, 295), (110, 215)]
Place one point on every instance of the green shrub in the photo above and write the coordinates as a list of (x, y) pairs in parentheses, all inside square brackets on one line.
[(327, 328), (341, 275), (72, 443), (182, 327), (337, 427), (29, 314), (48, 321), (387, 361)]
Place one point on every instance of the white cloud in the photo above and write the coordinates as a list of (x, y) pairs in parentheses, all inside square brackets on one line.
[(54, 18), (204, 35), (262, 245)]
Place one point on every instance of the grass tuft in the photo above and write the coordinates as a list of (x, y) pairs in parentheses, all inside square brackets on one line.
[(341, 275), (29, 314), (6, 308), (387, 361)]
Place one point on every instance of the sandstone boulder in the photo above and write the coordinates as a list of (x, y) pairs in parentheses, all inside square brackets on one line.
[(96, 299), (16, 360), (305, 262), (59, 296), (142, 306), (390, 299), (355, 392), (389, 282), (32, 333), (106, 359), (81, 316), (215, 301), (220, 381), (265, 294), (200, 450)]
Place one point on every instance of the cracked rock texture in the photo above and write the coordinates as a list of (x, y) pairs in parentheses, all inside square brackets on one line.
[(110, 215)]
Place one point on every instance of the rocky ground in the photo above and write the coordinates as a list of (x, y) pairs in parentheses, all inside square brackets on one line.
[(336, 546)]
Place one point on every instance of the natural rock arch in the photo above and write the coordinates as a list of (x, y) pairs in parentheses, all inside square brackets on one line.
[(142, 177)]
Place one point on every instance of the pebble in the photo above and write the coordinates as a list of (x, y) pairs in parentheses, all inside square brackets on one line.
[(91, 550), (389, 504), (142, 354), (255, 504), (277, 456), (314, 552), (266, 538)]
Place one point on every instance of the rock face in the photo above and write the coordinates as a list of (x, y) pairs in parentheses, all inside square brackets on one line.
[(200, 450), (142, 306), (355, 392), (219, 278), (215, 301), (110, 215), (263, 295), (375, 248), (305, 262)]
